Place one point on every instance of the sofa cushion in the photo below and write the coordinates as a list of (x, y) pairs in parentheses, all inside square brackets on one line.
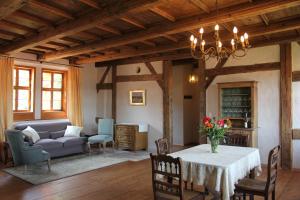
[(31, 134), (44, 134), (71, 141), (49, 143), (57, 134), (43, 125)]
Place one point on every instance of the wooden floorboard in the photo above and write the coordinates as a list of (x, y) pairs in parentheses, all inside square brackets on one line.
[(126, 181)]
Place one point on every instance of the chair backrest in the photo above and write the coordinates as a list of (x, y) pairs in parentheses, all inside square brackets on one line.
[(237, 140), (162, 146), (16, 145), (273, 161), (166, 176), (106, 127)]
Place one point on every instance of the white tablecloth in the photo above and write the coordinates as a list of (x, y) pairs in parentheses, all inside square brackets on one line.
[(218, 171)]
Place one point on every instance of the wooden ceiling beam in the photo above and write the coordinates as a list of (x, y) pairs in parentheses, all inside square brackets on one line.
[(163, 14), (91, 3), (90, 20), (152, 44), (225, 15), (170, 37), (12, 25), (201, 5), (146, 58), (8, 7), (253, 31), (109, 29), (133, 22), (37, 19), (265, 19), (51, 9)]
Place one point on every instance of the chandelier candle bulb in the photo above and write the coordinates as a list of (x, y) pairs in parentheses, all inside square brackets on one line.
[(202, 45), (235, 30), (246, 36), (232, 44), (243, 41)]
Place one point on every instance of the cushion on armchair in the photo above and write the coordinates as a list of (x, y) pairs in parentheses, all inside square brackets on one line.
[(31, 134)]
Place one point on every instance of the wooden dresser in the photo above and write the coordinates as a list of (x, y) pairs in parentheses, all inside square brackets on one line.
[(128, 136)]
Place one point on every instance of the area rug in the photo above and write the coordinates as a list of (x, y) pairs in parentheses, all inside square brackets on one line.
[(72, 165)]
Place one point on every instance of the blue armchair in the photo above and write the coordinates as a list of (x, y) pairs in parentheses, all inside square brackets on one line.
[(22, 153), (105, 134)]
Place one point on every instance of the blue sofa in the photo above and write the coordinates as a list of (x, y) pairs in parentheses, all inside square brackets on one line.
[(52, 138)]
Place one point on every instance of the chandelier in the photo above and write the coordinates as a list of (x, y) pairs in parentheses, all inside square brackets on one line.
[(200, 50)]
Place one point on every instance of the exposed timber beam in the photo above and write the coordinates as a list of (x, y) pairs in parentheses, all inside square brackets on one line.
[(296, 134), (51, 9), (225, 15), (201, 95), (286, 134), (109, 29), (114, 92), (101, 82), (265, 19), (8, 24), (296, 76), (148, 58), (179, 45), (133, 78), (219, 65), (133, 22), (167, 102), (170, 37), (33, 18), (243, 69), (163, 14), (91, 3), (201, 5), (92, 19), (8, 7), (153, 71)]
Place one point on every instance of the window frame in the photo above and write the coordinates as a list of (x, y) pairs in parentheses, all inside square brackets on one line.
[(52, 113), (19, 115)]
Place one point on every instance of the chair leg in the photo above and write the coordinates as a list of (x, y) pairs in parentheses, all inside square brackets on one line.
[(267, 196), (89, 147), (244, 196), (113, 146), (104, 146), (273, 194), (185, 185), (49, 164)]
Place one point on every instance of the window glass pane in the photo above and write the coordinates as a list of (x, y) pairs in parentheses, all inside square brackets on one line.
[(47, 80), (46, 98), (15, 77), (24, 78), (57, 80), (14, 99), (23, 99), (57, 100)]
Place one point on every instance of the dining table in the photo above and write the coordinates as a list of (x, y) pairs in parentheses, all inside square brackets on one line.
[(218, 172)]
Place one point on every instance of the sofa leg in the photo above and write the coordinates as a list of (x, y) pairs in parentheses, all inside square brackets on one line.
[(49, 164)]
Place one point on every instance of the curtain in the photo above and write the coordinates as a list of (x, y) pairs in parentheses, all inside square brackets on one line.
[(74, 97), (6, 95)]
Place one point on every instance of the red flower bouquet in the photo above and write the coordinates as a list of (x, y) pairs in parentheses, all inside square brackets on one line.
[(215, 130)]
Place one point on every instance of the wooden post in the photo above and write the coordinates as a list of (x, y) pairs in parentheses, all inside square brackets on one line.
[(286, 106), (114, 93), (167, 101), (202, 95)]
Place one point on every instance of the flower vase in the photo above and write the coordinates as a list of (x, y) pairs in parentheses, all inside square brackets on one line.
[(214, 145)]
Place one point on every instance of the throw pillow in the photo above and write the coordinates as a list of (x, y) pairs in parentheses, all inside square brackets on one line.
[(31, 133), (73, 131)]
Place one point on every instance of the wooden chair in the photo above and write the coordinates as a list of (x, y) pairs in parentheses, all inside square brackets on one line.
[(162, 146), (237, 140), (171, 187), (258, 187)]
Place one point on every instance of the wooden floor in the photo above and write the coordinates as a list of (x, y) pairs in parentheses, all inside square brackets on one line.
[(124, 181)]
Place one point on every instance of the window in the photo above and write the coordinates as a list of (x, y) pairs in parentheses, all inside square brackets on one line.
[(23, 89), (53, 91)]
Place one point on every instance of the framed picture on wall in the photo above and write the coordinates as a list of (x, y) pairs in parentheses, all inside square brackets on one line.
[(137, 97)]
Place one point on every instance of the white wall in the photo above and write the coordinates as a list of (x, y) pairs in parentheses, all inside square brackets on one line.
[(88, 91), (151, 113)]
